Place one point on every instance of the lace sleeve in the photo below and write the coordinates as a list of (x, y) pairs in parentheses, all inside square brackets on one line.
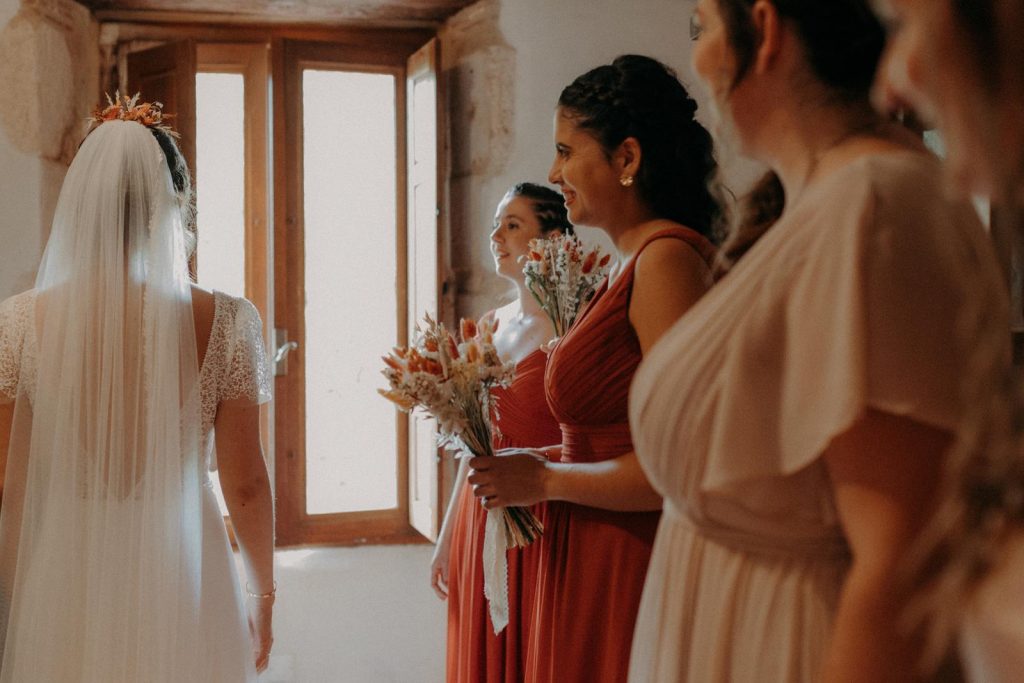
[(12, 334), (247, 377)]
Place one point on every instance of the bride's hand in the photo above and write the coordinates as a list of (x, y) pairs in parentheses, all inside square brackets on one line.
[(517, 477), (261, 613)]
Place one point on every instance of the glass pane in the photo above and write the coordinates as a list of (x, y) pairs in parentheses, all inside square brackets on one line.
[(349, 175), (220, 190), (220, 182)]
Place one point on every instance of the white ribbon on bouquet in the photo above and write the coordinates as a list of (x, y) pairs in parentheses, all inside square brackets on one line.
[(495, 559)]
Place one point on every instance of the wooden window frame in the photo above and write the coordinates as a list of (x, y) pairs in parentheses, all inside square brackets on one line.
[(224, 48), (295, 526)]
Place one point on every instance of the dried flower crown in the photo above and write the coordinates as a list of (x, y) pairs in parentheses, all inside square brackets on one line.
[(149, 114)]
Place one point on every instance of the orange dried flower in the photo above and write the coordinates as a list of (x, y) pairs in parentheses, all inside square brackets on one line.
[(149, 114)]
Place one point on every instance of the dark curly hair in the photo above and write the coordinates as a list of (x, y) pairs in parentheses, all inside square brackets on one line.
[(639, 97), (843, 41), (548, 206), (182, 181)]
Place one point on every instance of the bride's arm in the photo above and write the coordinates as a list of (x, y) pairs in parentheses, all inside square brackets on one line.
[(246, 486)]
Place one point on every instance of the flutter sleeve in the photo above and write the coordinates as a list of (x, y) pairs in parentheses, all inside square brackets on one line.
[(876, 316), (247, 376), (878, 322)]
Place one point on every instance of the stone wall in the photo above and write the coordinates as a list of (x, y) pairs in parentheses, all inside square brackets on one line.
[(49, 66)]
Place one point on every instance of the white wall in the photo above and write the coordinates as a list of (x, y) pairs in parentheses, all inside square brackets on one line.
[(49, 70), (20, 192)]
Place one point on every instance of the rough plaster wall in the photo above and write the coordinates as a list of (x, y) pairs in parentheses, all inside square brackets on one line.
[(507, 61), (48, 65), (480, 69)]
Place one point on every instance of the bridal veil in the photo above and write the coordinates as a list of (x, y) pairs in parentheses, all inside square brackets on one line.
[(100, 538)]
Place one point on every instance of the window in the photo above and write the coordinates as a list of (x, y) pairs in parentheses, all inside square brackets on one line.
[(322, 204)]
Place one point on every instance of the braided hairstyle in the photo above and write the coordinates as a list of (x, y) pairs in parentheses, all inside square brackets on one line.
[(640, 97), (843, 41), (548, 206)]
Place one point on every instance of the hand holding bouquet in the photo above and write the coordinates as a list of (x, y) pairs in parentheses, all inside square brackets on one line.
[(562, 278), (452, 381)]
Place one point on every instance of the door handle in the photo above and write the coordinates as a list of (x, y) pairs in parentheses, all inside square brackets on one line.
[(283, 348)]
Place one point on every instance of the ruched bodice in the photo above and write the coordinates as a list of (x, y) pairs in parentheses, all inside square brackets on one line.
[(591, 368), (593, 561), (522, 416)]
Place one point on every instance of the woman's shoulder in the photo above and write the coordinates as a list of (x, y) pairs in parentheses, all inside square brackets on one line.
[(886, 175), (218, 305), (671, 249)]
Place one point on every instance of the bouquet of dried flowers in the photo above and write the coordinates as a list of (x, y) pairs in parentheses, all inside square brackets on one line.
[(563, 277), (451, 380)]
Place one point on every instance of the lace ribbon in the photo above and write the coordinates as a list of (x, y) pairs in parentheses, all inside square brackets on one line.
[(495, 558)]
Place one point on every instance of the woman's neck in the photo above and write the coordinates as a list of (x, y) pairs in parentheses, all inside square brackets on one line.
[(525, 301), (630, 229), (797, 138)]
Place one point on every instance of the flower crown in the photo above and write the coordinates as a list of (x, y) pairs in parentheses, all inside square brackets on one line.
[(149, 114)]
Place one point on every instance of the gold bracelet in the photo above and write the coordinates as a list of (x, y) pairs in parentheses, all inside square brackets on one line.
[(262, 596)]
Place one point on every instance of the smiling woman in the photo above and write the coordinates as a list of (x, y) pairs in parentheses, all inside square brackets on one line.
[(632, 161), (522, 418)]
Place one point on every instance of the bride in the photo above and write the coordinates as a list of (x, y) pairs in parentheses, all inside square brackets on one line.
[(114, 562)]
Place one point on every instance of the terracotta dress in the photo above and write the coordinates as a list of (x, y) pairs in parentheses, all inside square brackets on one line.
[(593, 561), (475, 654), (855, 300)]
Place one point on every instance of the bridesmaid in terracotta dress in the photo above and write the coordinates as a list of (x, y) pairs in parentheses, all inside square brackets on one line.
[(475, 653), (631, 160)]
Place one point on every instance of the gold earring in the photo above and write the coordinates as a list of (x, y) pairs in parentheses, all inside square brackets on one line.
[(626, 181)]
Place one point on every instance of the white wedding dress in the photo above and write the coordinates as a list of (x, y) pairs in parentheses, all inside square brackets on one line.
[(234, 369), (115, 565)]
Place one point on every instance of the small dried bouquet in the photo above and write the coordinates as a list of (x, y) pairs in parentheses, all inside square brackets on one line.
[(563, 277), (451, 380)]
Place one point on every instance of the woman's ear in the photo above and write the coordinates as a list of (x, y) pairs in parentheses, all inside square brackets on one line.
[(768, 25), (628, 157)]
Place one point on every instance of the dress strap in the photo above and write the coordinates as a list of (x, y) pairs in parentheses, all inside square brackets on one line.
[(700, 244)]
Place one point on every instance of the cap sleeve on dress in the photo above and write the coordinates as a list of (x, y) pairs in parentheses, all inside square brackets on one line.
[(11, 335), (247, 376), (872, 320)]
